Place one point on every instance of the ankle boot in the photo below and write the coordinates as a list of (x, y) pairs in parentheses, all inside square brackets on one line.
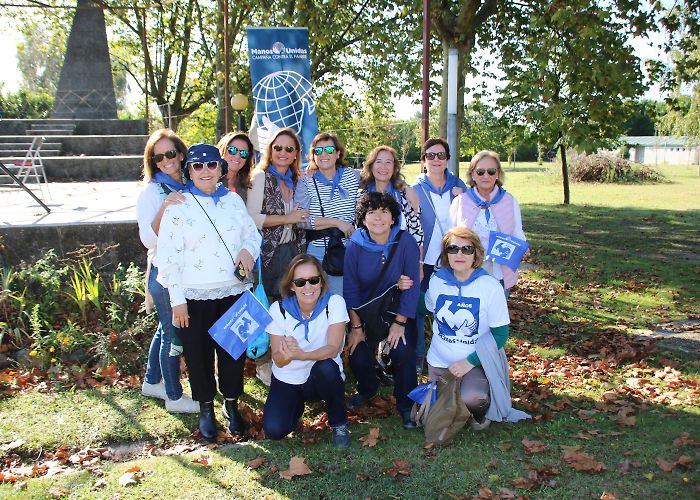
[(236, 424), (207, 421)]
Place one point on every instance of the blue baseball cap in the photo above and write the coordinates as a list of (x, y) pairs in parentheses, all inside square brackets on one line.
[(203, 152)]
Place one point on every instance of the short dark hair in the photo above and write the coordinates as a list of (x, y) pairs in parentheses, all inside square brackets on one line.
[(432, 142), (376, 201), (304, 258)]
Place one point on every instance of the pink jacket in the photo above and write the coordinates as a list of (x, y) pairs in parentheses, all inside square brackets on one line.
[(464, 211)]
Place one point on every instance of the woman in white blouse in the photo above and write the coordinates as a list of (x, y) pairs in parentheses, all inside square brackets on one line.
[(201, 243), (306, 336)]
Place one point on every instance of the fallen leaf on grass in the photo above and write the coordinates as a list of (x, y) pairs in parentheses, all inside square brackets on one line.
[(630, 421), (310, 438), (685, 461), (256, 462), (608, 496), (13, 445), (297, 467), (504, 446), (583, 462), (685, 440), (203, 460), (505, 493), (363, 476), (626, 464), (665, 465), (135, 468), (56, 492), (401, 468), (130, 478), (370, 440), (532, 447)]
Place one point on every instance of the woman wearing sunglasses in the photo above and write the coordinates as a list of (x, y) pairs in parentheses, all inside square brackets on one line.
[(329, 192), (470, 327), (488, 207), (202, 243), (306, 336), (237, 151), (272, 206), (369, 258), (436, 188), (162, 170)]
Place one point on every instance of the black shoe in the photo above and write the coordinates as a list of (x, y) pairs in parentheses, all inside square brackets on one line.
[(408, 422), (207, 421), (385, 378), (341, 437), (234, 420), (356, 401)]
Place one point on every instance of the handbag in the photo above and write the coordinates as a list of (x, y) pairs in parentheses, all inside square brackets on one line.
[(448, 414), (334, 257), (259, 346), (379, 313)]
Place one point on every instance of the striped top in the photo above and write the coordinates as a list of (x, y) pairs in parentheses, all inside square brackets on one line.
[(340, 207)]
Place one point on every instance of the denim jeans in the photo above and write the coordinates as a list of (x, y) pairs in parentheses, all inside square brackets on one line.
[(403, 364), (285, 402), (160, 364), (335, 283), (420, 318)]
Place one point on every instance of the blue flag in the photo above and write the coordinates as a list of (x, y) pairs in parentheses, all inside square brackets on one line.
[(245, 320), (283, 94), (421, 392), (506, 249)]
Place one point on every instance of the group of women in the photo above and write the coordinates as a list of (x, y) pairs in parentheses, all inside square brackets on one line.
[(207, 214)]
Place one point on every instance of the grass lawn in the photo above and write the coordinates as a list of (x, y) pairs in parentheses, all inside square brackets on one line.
[(618, 260)]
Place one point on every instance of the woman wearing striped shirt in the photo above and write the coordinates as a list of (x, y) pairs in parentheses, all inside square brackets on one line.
[(329, 193)]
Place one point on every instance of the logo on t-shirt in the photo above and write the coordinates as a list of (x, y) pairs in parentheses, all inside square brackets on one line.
[(457, 318)]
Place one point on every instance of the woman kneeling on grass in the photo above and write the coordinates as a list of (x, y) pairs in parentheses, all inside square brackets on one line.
[(470, 327), (306, 336)]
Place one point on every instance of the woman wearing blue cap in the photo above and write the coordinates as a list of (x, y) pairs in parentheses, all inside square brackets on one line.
[(205, 245)]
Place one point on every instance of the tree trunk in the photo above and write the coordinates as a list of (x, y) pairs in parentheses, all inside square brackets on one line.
[(564, 170)]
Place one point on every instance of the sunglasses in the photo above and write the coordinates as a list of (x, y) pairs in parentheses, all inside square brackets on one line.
[(454, 249), (168, 154), (480, 171), (279, 147), (320, 150), (300, 282), (440, 156), (243, 153), (197, 166)]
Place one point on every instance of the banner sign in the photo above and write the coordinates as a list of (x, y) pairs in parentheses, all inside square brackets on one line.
[(282, 91), (506, 249), (244, 321)]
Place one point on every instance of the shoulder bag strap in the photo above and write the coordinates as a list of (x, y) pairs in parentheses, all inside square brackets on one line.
[(217, 231), (320, 205), (432, 205), (384, 268)]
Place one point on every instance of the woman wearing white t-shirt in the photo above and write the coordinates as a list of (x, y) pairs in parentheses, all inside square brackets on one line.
[(306, 337), (467, 304)]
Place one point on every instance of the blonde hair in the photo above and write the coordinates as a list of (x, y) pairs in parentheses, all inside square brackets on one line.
[(296, 164), (466, 234), (480, 156), (366, 175)]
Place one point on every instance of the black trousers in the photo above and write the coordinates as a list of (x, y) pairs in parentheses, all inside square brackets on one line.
[(199, 348)]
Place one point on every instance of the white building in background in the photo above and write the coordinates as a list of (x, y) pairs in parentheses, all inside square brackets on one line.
[(654, 150)]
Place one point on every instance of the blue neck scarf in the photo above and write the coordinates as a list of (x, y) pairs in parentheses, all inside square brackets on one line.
[(162, 178), (450, 182), (362, 238), (449, 277), (286, 177), (220, 192), (486, 204), (291, 305), (334, 182)]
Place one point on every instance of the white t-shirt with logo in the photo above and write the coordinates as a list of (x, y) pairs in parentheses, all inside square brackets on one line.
[(297, 371), (459, 321)]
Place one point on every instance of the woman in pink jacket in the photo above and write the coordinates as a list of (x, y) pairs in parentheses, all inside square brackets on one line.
[(487, 207)]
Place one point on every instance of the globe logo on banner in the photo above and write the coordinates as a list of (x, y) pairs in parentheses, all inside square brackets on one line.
[(282, 99)]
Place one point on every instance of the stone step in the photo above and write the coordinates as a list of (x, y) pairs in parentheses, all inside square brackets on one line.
[(4, 153), (35, 132), (82, 126), (88, 145), (24, 146), (61, 126), (102, 168)]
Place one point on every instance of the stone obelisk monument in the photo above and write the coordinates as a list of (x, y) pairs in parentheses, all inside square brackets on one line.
[(85, 88)]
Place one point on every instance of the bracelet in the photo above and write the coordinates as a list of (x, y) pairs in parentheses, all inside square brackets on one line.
[(355, 327), (400, 323)]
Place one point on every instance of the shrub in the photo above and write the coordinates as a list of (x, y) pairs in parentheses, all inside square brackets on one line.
[(608, 168)]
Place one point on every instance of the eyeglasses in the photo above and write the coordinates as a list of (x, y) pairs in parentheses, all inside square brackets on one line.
[(198, 165), (480, 171), (243, 153), (440, 156), (328, 149), (454, 249), (300, 282), (168, 154), (279, 147)]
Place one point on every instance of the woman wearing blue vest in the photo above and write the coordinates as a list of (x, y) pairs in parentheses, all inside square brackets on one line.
[(436, 188)]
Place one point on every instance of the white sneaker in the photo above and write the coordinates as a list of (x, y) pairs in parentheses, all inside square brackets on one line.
[(183, 405), (264, 372), (154, 390), (479, 426)]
